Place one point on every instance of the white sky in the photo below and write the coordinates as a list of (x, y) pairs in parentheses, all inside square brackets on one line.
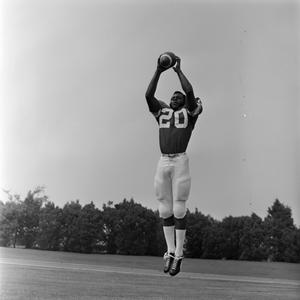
[(74, 117)]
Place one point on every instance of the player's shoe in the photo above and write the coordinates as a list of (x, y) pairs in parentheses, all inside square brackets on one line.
[(168, 259), (175, 269)]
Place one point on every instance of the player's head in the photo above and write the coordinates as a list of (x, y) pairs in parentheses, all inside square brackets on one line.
[(177, 100)]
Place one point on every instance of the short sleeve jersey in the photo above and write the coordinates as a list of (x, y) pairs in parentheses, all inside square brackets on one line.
[(175, 127)]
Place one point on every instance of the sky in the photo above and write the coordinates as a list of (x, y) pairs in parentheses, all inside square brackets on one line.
[(73, 113)]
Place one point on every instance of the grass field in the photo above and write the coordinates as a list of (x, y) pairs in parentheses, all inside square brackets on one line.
[(34, 274)]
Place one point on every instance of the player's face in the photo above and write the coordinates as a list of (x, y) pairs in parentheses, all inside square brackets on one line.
[(177, 101)]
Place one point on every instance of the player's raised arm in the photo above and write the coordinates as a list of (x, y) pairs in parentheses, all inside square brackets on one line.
[(153, 103), (186, 86)]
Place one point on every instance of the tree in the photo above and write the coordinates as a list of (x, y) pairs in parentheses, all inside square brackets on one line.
[(90, 229), (131, 229), (197, 224), (291, 238), (232, 231), (32, 205), (213, 240), (49, 235), (252, 242), (10, 221), (70, 226), (110, 227), (280, 231)]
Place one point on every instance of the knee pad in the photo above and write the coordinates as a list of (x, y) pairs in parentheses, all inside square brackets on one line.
[(165, 212), (180, 223), (179, 209), (169, 221)]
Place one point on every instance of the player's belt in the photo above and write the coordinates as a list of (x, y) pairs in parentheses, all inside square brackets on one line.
[(172, 155)]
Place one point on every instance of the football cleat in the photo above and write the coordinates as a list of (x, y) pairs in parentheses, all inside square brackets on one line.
[(168, 258), (175, 269)]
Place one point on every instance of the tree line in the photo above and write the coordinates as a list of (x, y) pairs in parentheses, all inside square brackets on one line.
[(131, 229)]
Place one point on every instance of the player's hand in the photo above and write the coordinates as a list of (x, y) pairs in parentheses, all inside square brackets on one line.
[(177, 67), (198, 101), (159, 67)]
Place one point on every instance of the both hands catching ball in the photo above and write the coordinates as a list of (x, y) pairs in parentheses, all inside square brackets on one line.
[(168, 60)]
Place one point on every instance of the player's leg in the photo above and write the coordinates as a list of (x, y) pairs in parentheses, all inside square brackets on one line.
[(169, 234), (165, 207), (180, 226), (181, 189), (163, 191)]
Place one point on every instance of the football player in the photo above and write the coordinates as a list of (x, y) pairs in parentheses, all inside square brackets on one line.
[(172, 181)]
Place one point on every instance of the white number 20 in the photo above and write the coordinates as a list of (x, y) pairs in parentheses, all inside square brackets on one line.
[(166, 115)]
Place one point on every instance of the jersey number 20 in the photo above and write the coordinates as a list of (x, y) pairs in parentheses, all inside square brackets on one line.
[(180, 118)]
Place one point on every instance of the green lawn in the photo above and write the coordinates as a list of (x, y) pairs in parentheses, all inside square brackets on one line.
[(34, 274)]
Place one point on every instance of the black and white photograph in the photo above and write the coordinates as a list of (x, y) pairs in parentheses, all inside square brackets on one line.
[(150, 149)]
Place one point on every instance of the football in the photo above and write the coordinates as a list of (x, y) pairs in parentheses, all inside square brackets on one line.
[(167, 60)]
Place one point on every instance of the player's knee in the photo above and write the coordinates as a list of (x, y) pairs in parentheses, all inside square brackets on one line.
[(180, 214), (179, 209), (165, 211)]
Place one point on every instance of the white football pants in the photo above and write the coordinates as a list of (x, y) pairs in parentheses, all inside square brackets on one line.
[(172, 185)]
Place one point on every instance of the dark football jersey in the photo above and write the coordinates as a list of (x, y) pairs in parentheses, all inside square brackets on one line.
[(175, 127)]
